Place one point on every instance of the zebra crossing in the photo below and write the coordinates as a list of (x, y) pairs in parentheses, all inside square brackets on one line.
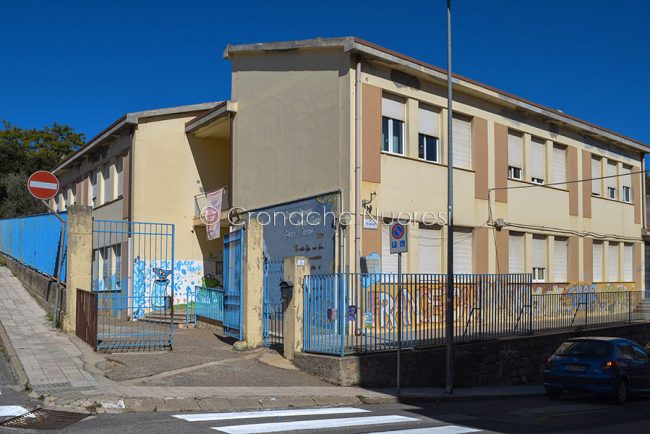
[(329, 419)]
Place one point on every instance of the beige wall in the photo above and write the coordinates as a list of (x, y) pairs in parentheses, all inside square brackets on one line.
[(291, 132)]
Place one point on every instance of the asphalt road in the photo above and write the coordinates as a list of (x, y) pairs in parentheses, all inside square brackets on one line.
[(571, 414)]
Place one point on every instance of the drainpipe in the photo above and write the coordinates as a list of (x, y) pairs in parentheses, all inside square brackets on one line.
[(357, 170)]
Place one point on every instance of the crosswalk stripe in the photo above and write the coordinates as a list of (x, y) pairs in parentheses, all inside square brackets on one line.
[(447, 429), (12, 410), (201, 417), (312, 424)]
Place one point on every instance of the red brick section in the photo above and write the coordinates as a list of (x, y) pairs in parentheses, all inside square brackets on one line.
[(572, 175), (573, 252), (586, 186), (480, 157), (501, 162), (370, 133), (588, 259), (502, 253), (637, 179)]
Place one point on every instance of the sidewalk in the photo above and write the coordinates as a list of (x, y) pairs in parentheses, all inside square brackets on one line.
[(65, 373)]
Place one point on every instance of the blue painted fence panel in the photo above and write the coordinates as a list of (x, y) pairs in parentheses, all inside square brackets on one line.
[(34, 241)]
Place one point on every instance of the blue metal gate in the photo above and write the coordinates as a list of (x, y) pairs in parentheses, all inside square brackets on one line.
[(132, 274), (273, 311), (232, 269)]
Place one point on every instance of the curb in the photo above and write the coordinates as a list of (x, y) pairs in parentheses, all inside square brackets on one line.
[(14, 360)]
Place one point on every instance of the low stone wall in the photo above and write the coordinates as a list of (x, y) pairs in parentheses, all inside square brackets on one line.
[(499, 362), (44, 289)]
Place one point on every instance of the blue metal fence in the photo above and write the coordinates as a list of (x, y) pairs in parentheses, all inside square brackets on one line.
[(204, 303), (273, 310), (358, 313), (232, 269), (133, 275), (35, 241)]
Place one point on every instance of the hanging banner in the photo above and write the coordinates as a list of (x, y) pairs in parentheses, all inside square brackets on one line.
[(212, 214)]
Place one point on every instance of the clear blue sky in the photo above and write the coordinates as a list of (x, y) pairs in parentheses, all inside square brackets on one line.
[(85, 63)]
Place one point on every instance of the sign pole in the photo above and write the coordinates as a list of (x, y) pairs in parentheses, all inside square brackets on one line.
[(399, 321), (59, 261)]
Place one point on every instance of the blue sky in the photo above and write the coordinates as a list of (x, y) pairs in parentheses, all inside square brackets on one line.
[(85, 63)]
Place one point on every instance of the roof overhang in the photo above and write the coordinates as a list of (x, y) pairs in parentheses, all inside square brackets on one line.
[(370, 51), (214, 122), (126, 122)]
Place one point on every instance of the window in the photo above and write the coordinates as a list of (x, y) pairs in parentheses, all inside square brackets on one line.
[(463, 251), (107, 175), (611, 179), (626, 184), (392, 124), (120, 176), (429, 250), (539, 258), (94, 200), (388, 261), (515, 253), (538, 160), (462, 141), (640, 354), (429, 132), (559, 166), (560, 259), (515, 146), (597, 257), (117, 254), (612, 256), (628, 262), (596, 174), (624, 351)]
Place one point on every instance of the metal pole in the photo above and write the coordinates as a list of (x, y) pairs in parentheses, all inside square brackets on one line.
[(357, 170), (449, 308), (59, 262), (399, 320)]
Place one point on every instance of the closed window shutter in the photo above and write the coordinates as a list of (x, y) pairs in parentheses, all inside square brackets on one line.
[(626, 179), (538, 159), (613, 262), (429, 121), (559, 165), (463, 256), (462, 143), (516, 253), (596, 173), (628, 262), (598, 262), (392, 107), (611, 172), (560, 260), (388, 261), (429, 251), (539, 252), (514, 149)]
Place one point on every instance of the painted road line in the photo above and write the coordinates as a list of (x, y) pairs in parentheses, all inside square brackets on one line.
[(40, 184), (12, 410), (201, 417), (446, 429), (312, 424)]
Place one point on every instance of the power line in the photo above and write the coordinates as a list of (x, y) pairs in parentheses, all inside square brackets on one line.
[(565, 182)]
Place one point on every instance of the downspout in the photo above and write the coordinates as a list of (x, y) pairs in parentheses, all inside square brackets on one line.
[(357, 170)]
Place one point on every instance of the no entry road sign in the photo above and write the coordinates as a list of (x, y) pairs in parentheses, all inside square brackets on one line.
[(43, 185)]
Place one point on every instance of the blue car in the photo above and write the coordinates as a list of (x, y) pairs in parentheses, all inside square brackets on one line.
[(611, 366)]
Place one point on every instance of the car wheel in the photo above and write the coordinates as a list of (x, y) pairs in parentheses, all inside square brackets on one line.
[(621, 392), (553, 392)]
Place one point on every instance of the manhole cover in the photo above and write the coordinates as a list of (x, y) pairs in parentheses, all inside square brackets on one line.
[(44, 419)]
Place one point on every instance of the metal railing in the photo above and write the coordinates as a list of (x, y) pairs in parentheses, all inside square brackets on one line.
[(204, 303), (200, 201), (357, 313)]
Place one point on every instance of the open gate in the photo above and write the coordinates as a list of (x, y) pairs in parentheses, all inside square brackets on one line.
[(273, 311), (132, 275), (232, 276)]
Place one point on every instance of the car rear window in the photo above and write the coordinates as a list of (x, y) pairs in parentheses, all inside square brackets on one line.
[(586, 349)]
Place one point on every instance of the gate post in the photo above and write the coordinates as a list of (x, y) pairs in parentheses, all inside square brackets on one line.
[(79, 260), (253, 285), (295, 269)]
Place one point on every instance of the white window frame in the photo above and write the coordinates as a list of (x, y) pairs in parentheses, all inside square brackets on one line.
[(515, 172), (539, 273), (601, 249), (391, 143), (536, 142), (425, 156), (596, 183), (457, 120)]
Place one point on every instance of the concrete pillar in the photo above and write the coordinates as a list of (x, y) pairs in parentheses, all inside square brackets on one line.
[(79, 260), (295, 269), (253, 285)]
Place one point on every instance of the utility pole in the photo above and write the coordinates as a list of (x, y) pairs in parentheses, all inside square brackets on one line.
[(449, 305)]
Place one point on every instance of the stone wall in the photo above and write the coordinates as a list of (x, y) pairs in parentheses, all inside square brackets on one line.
[(499, 362), (43, 288)]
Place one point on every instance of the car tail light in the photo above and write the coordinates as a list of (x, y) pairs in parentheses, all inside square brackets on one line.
[(610, 364)]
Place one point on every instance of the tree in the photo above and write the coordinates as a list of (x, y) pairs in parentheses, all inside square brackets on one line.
[(24, 151)]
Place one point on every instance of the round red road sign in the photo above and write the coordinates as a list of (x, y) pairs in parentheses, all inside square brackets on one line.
[(43, 185)]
